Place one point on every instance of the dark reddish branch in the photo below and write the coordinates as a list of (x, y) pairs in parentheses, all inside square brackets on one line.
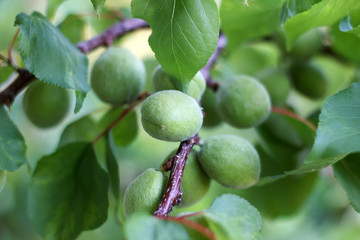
[(114, 32), (177, 163), (24, 78), (206, 70), (126, 111), (193, 225)]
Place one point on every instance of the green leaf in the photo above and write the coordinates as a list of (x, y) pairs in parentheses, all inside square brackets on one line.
[(241, 22), (98, 5), (73, 28), (184, 33), (125, 131), (113, 166), (51, 57), (82, 130), (109, 17), (347, 172), (323, 13), (52, 7), (293, 7), (5, 72), (142, 226), (338, 133), (68, 192), (236, 217), (345, 25), (2, 179), (12, 143)]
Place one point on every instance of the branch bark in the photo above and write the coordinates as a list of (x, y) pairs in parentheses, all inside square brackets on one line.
[(106, 38), (177, 163)]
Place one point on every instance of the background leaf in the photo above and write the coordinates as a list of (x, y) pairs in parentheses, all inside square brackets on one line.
[(323, 13), (141, 226), (5, 72), (236, 217), (293, 7), (347, 172), (125, 131), (12, 143), (184, 33), (52, 7), (98, 5), (338, 133), (68, 192), (73, 28), (113, 166), (238, 20), (50, 56), (2, 179)]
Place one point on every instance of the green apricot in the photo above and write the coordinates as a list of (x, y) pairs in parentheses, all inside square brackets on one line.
[(230, 160), (118, 76), (195, 183), (144, 192), (308, 79), (277, 84), (171, 115), (243, 102), (306, 45), (162, 81), (208, 103), (45, 105)]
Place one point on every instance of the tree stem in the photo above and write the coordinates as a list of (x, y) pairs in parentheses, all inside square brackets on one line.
[(173, 192)]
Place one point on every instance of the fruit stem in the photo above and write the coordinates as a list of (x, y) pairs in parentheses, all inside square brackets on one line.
[(127, 110), (206, 70), (177, 163)]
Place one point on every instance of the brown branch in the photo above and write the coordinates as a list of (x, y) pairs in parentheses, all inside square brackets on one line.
[(126, 111), (114, 32), (193, 225), (206, 70), (24, 78), (173, 192), (293, 115)]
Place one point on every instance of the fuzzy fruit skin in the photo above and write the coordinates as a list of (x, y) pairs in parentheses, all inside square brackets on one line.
[(243, 102), (195, 183), (45, 105), (118, 76), (171, 115), (308, 79), (208, 103), (230, 160), (277, 84), (144, 192), (162, 81)]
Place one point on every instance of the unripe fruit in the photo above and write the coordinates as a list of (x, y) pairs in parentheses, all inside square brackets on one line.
[(45, 105), (230, 160), (117, 76), (195, 182), (308, 79), (243, 102), (208, 102), (277, 84), (306, 45), (171, 115), (162, 81), (144, 192)]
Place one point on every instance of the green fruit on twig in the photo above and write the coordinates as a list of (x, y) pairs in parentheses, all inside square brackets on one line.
[(277, 84), (230, 160), (308, 80), (195, 183), (306, 45), (171, 115), (163, 81), (118, 76), (208, 102), (45, 105), (144, 192), (243, 102)]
